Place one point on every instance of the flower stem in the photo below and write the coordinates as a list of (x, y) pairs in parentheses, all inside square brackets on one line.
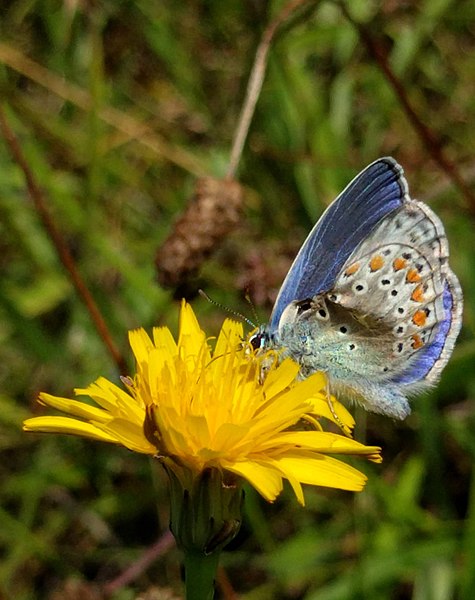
[(200, 572)]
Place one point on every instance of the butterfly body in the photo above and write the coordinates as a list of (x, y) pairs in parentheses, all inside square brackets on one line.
[(370, 298)]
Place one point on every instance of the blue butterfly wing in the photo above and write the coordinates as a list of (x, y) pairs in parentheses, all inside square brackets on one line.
[(376, 192)]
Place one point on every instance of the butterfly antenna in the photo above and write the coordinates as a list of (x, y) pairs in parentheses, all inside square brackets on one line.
[(253, 308), (226, 308)]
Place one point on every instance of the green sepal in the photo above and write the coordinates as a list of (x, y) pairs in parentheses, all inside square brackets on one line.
[(206, 507)]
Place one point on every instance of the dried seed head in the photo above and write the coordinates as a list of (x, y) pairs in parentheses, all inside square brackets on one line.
[(214, 211)]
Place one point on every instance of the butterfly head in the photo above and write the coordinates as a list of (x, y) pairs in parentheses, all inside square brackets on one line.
[(261, 339)]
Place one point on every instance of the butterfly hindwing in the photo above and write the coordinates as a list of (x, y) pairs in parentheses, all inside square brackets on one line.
[(400, 279)]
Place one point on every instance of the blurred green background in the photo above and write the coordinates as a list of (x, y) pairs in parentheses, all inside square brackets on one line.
[(119, 106)]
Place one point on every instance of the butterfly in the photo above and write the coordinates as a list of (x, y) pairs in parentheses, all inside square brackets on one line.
[(370, 298)]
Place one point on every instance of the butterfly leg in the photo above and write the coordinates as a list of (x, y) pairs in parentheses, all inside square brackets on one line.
[(346, 430)]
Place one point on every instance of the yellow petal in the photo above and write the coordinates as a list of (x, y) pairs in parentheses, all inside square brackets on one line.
[(67, 426), (114, 399), (321, 407), (74, 407), (163, 339), (321, 441), (229, 436), (294, 482), (191, 338), (102, 392), (266, 480), (278, 379), (231, 335), (141, 345), (318, 469), (319, 381), (129, 435)]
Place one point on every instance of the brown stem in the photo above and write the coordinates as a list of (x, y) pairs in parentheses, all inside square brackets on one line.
[(429, 139), (59, 243), (254, 85), (164, 543), (224, 585)]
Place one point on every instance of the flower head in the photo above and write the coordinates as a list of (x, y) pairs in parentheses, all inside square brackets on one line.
[(200, 408)]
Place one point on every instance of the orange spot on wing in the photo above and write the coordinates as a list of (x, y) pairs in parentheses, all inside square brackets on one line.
[(399, 263), (351, 270), (376, 262), (413, 276), (419, 318), (418, 294), (416, 342)]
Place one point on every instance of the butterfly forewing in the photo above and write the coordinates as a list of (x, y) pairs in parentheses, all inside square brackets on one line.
[(375, 193)]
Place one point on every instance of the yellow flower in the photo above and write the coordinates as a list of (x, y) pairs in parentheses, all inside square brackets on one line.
[(208, 409)]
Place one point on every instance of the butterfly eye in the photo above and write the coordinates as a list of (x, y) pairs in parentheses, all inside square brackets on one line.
[(259, 340)]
